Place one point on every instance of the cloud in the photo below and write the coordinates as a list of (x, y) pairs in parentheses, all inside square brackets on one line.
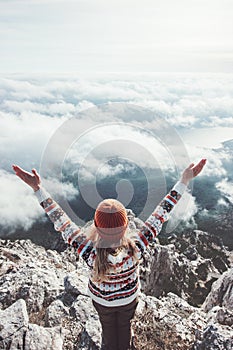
[(19, 90), (33, 109), (58, 189), (19, 207), (201, 100), (222, 202), (214, 165), (183, 212), (226, 188), (24, 136)]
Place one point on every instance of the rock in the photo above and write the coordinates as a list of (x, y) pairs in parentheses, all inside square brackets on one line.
[(210, 339), (171, 323), (191, 252), (13, 325), (40, 338), (35, 275), (84, 312), (220, 315), (186, 265), (76, 283), (165, 323), (55, 313), (81, 308), (221, 292), (17, 333), (93, 330), (37, 286)]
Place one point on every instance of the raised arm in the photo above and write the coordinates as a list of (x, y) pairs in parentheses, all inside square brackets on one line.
[(62, 223), (153, 224)]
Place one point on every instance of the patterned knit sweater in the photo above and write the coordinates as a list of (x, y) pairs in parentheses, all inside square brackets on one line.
[(121, 284)]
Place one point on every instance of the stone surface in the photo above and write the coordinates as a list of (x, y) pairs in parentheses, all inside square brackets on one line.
[(40, 338), (55, 313), (185, 265), (35, 276), (210, 339), (44, 302), (13, 325), (76, 283), (220, 315), (84, 313), (221, 292)]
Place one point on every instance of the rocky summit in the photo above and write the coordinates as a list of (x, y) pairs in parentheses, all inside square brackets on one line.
[(186, 301)]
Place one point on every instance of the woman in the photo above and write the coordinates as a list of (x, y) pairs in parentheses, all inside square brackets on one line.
[(111, 253)]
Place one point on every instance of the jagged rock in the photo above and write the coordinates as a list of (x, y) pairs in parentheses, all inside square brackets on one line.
[(54, 287), (210, 339), (167, 323), (55, 313), (36, 276), (197, 259), (84, 312), (191, 252), (76, 283), (81, 308), (13, 325), (37, 285), (167, 269), (171, 323), (220, 315), (40, 338), (17, 333), (221, 292)]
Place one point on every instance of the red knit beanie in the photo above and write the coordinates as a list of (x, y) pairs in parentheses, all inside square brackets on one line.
[(111, 220)]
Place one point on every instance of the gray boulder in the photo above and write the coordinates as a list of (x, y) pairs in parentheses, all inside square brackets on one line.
[(220, 315), (13, 325), (40, 338), (83, 311), (55, 313), (221, 292), (210, 339), (186, 265)]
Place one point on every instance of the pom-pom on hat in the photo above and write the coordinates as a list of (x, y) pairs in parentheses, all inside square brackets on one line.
[(111, 220)]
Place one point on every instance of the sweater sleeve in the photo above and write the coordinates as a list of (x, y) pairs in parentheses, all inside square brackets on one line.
[(153, 224), (71, 233)]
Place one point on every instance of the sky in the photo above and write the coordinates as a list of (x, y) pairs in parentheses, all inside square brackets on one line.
[(60, 58), (85, 36)]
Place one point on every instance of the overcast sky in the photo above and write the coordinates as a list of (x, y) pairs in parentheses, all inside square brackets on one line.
[(116, 35)]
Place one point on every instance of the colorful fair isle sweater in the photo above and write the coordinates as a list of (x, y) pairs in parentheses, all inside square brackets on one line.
[(122, 284)]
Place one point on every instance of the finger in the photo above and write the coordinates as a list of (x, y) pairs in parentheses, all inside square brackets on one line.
[(37, 176), (20, 172), (197, 169), (17, 169), (191, 165)]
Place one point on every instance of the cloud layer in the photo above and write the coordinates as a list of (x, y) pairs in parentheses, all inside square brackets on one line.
[(32, 110)]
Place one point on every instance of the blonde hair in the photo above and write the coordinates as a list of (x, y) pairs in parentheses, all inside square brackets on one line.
[(102, 264)]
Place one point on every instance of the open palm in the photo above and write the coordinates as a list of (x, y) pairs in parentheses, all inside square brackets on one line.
[(192, 171), (32, 179)]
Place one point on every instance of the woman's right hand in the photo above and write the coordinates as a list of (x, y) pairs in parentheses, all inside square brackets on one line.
[(32, 179)]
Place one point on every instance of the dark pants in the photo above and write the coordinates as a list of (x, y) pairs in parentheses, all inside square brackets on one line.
[(116, 327)]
